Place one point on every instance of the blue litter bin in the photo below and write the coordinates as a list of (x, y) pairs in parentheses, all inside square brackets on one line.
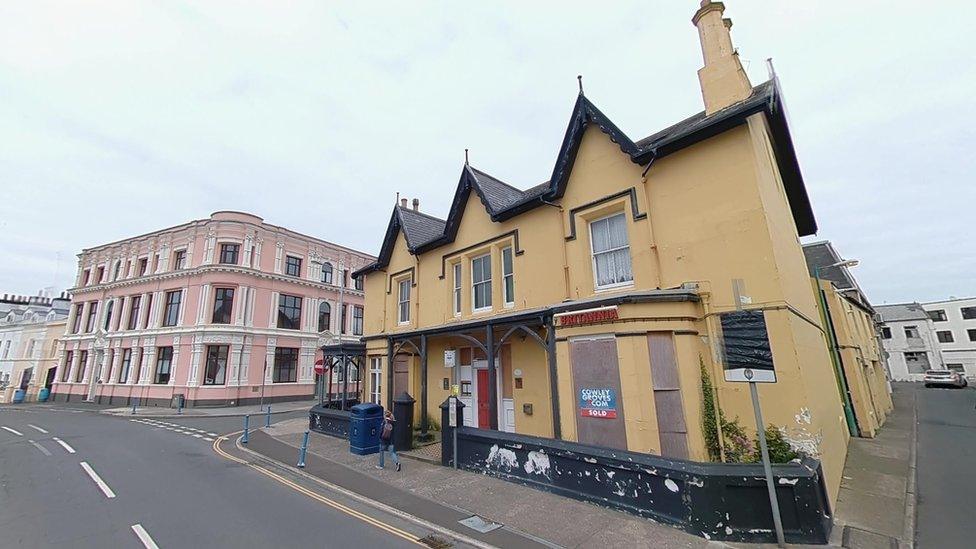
[(364, 428), (43, 394), (19, 396)]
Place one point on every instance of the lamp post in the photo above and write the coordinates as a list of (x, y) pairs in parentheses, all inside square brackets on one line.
[(845, 392)]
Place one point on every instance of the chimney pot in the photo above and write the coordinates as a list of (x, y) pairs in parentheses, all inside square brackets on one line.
[(723, 81), (416, 204), (403, 202)]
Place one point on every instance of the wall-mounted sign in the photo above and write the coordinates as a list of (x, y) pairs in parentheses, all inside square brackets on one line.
[(747, 356), (589, 316), (450, 357), (598, 402)]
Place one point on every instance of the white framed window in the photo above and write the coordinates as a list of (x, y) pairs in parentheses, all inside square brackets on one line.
[(481, 282), (457, 289), (611, 252), (375, 379), (508, 276), (404, 301)]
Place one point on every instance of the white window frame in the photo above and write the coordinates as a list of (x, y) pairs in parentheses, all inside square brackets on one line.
[(475, 284), (403, 287), (596, 274), (509, 300), (456, 293), (375, 380)]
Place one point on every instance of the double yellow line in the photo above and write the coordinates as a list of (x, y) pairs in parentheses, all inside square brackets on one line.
[(317, 497)]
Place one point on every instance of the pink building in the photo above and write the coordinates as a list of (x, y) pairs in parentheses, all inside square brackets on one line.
[(226, 310)]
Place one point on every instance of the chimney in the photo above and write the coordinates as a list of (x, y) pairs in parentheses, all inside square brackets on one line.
[(723, 82), (416, 204), (403, 202)]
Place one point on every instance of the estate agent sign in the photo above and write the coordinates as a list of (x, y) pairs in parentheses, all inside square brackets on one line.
[(598, 402)]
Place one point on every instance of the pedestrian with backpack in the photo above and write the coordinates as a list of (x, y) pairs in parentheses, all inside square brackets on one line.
[(386, 440)]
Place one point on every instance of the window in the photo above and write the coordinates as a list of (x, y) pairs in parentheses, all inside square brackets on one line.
[(77, 323), (82, 366), (293, 266), (325, 316), (30, 349), (403, 294), (223, 304), (125, 365), (457, 289), (108, 314), (508, 276), (358, 282), (972, 335), (285, 365), (117, 270), (228, 253), (345, 278), (148, 308), (164, 363), (911, 332), (357, 320), (945, 336), (327, 273), (99, 275), (171, 316), (92, 314), (143, 266), (481, 282), (937, 315), (885, 332), (66, 366), (968, 313), (86, 277), (134, 311), (342, 319), (216, 371), (179, 260), (956, 368), (611, 252), (289, 312), (155, 263), (375, 379)]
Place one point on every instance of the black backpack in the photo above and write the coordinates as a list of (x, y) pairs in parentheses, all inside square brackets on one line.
[(387, 432)]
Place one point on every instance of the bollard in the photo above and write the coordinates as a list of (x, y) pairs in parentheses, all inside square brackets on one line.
[(247, 421), (302, 451), (179, 409), (267, 418)]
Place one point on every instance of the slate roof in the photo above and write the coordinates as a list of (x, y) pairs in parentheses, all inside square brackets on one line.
[(901, 312), (503, 201), (822, 254)]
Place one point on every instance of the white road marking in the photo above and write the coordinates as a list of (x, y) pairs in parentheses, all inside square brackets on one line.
[(14, 431), (197, 436), (144, 536), (98, 480), (212, 434), (36, 428), (43, 450), (63, 445), (208, 439)]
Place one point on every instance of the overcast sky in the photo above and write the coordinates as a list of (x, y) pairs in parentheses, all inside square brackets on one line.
[(119, 118)]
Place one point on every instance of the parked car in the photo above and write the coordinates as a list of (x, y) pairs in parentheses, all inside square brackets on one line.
[(944, 378)]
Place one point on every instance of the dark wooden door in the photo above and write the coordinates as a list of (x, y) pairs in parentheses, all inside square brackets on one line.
[(483, 408), (596, 371), (50, 377)]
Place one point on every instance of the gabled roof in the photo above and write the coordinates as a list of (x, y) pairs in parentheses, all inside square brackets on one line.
[(503, 201), (901, 311)]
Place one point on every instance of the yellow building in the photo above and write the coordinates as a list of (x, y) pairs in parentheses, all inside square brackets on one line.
[(852, 337), (598, 294)]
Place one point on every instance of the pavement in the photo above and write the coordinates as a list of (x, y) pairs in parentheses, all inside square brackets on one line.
[(230, 411), (443, 496), (75, 478)]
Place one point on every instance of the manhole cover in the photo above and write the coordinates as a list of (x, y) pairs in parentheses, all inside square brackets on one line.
[(479, 524)]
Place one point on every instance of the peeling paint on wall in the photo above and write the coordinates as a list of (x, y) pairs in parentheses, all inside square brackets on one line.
[(501, 458), (804, 417), (538, 463)]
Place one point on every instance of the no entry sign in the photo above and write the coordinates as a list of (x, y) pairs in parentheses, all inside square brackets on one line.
[(319, 367)]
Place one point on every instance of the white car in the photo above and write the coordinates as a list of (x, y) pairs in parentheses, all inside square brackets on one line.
[(944, 378)]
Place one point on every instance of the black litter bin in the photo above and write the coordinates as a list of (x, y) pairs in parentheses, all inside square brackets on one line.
[(365, 423), (403, 428)]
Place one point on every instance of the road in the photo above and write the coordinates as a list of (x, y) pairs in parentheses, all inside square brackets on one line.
[(946, 481), (81, 479)]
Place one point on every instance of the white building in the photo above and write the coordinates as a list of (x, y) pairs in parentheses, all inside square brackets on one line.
[(954, 322), (908, 336), (24, 326)]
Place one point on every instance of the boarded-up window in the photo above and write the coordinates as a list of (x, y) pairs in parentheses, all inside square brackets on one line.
[(596, 388), (401, 375), (667, 396)]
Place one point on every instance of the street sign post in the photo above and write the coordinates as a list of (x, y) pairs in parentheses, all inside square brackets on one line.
[(748, 358)]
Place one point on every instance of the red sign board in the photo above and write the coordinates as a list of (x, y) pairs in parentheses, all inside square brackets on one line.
[(319, 367), (591, 316)]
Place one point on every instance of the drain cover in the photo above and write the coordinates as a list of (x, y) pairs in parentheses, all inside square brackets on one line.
[(479, 524)]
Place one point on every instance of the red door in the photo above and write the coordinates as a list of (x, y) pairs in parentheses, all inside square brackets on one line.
[(482, 399)]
